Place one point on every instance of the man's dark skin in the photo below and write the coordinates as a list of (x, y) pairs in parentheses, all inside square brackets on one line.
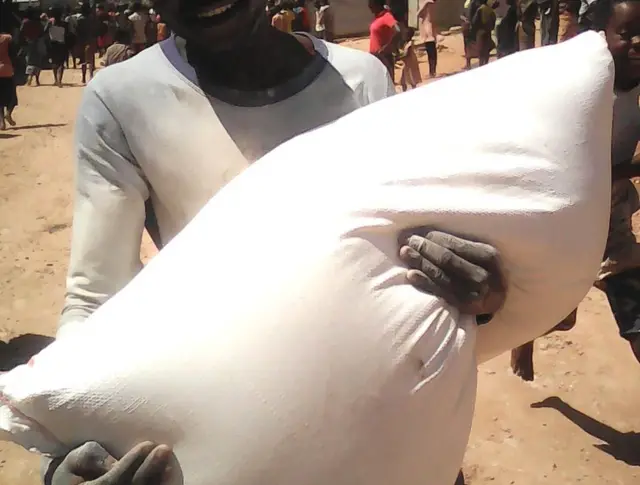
[(239, 50)]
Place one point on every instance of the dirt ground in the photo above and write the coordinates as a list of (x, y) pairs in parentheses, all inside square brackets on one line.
[(573, 425)]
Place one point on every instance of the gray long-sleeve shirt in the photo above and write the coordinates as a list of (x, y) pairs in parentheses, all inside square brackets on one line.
[(147, 130)]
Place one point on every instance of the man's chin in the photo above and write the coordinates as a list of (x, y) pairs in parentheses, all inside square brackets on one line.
[(218, 39)]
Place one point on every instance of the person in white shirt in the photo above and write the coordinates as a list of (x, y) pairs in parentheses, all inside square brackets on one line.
[(158, 135), (139, 20)]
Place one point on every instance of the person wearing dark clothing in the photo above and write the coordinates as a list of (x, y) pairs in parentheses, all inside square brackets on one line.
[(87, 37), (549, 21), (301, 21), (483, 24), (58, 52), (527, 13), (506, 31)]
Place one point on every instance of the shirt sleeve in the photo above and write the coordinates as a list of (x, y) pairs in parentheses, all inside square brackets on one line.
[(108, 218)]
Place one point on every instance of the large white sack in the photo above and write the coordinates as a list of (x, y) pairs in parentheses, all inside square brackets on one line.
[(275, 340)]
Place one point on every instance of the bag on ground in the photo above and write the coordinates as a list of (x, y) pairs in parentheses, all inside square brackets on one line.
[(276, 341)]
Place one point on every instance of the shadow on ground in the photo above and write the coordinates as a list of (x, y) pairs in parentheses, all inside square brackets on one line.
[(20, 349), (623, 446), (44, 125)]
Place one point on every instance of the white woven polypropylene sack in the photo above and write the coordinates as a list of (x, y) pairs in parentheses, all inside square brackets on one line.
[(275, 341)]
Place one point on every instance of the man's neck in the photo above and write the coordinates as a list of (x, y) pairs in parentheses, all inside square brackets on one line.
[(265, 61)]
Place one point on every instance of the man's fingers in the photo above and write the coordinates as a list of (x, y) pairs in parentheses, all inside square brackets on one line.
[(123, 471), (423, 251), (467, 303), (476, 252), (152, 470), (88, 461), (431, 279)]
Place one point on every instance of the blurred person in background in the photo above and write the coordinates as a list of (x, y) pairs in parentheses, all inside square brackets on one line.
[(284, 17), (120, 50), (384, 34), (87, 31), (568, 26), (527, 12), (301, 21), (103, 39), (549, 21), (71, 21), (324, 20), (152, 28), (429, 33), (483, 24), (57, 45), (162, 29), (506, 30), (139, 19), (410, 75), (32, 36), (8, 92)]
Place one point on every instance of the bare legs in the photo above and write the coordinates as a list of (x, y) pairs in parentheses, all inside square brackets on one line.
[(58, 71)]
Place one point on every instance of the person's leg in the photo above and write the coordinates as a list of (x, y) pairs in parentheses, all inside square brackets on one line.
[(60, 73), (482, 43), (403, 76), (549, 22), (3, 125), (545, 21), (522, 357), (432, 56), (81, 53), (13, 102), (36, 74), (622, 291), (91, 59), (9, 116)]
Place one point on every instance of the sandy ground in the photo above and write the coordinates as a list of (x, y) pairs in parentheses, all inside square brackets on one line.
[(575, 424)]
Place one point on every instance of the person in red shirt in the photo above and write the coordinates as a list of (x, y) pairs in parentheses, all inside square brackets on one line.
[(384, 33)]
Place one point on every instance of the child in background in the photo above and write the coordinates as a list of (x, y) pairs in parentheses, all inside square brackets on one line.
[(32, 34), (568, 19), (283, 19), (483, 23), (120, 50), (407, 54), (429, 33), (163, 30), (324, 20), (301, 21), (8, 93), (384, 34)]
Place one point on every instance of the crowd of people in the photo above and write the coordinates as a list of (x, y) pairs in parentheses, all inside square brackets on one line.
[(60, 38)]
